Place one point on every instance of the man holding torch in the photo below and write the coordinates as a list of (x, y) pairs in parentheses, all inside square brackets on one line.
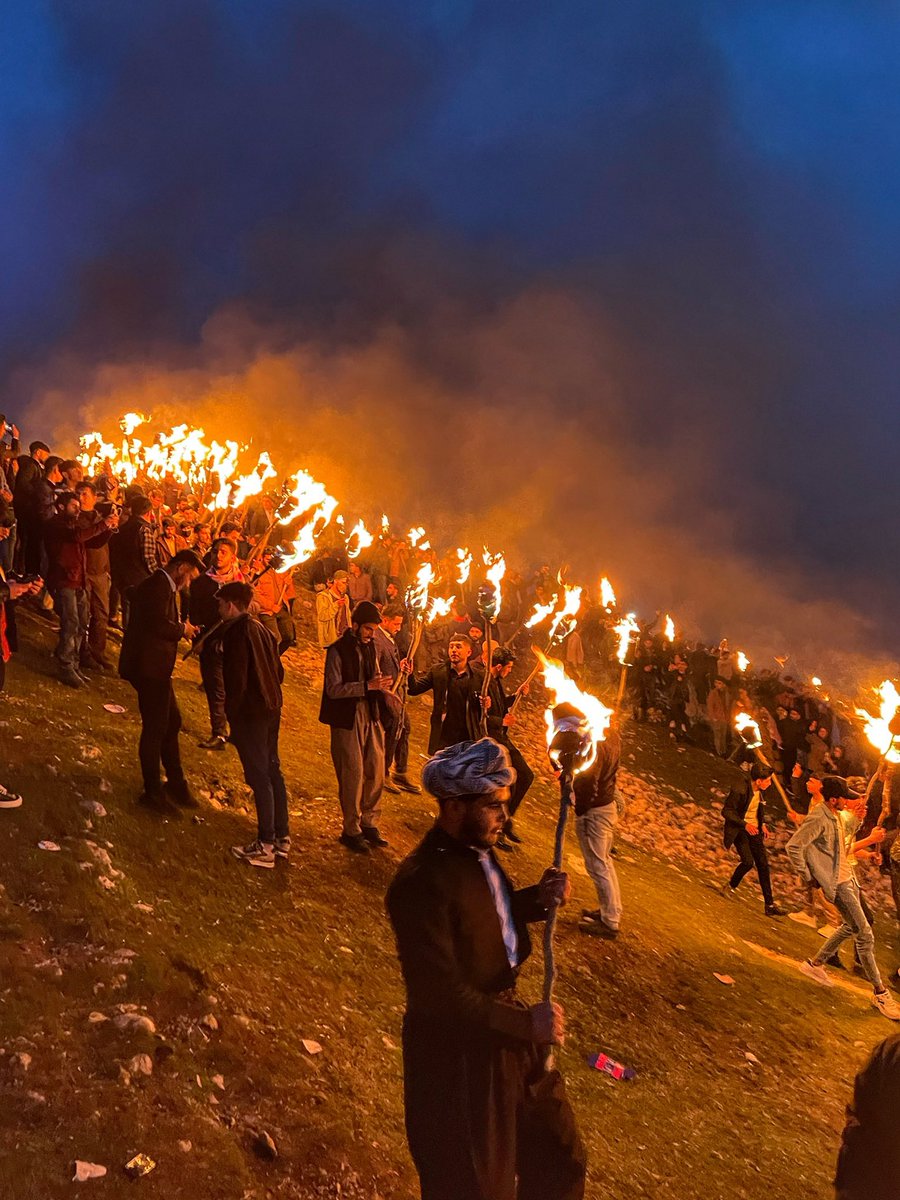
[(744, 811), (482, 1112)]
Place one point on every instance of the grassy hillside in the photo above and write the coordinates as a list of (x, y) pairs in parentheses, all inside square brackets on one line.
[(236, 969)]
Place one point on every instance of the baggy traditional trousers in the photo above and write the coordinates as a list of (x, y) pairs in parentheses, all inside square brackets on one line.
[(358, 757)]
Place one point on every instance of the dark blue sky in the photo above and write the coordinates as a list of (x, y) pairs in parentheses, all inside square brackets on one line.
[(715, 185)]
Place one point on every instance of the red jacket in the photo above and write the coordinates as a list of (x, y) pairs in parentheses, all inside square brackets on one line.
[(66, 542)]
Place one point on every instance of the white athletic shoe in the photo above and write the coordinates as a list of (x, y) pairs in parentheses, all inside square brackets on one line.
[(886, 1005), (819, 974)]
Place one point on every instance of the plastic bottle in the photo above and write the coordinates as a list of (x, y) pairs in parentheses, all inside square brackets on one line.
[(602, 1062)]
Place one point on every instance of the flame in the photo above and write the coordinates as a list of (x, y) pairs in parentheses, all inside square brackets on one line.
[(439, 606), (877, 729), (670, 628), (625, 630), (541, 613), (385, 523), (567, 691), (465, 564), (130, 421), (310, 499), (358, 540), (496, 569), (607, 595), (744, 721), (743, 661), (816, 681), (566, 617), (415, 536), (417, 593)]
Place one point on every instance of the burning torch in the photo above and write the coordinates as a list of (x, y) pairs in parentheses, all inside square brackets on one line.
[(748, 731), (576, 721), (882, 732), (625, 631), (489, 601)]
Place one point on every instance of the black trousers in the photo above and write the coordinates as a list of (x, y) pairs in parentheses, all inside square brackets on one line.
[(160, 725), (214, 685), (256, 741), (752, 852), (483, 1120), (524, 778), (282, 628)]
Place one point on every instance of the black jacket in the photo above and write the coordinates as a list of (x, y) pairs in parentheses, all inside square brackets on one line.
[(734, 810), (126, 558), (438, 681), (28, 476), (150, 643), (252, 670), (869, 1159), (450, 942)]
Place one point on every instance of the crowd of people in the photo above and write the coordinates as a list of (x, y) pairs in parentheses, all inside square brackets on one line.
[(154, 564)]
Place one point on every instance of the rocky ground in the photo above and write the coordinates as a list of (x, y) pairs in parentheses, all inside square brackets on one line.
[(239, 1029)]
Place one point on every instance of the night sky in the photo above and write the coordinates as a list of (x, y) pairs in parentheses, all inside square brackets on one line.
[(609, 282)]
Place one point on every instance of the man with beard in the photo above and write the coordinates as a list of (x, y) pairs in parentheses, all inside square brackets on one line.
[(484, 1119), (204, 614), (149, 649), (456, 715), (353, 705)]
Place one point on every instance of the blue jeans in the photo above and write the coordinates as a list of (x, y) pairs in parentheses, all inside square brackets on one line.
[(256, 742), (71, 605), (848, 902), (596, 829)]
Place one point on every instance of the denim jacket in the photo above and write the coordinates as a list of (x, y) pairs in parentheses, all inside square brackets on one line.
[(815, 849)]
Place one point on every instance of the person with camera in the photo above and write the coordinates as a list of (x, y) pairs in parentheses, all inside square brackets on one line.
[(485, 1120)]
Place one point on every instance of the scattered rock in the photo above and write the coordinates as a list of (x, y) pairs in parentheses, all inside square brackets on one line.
[(310, 1046), (105, 786), (141, 1064), (95, 1018), (134, 1023), (144, 908), (751, 1058), (209, 1022), (219, 1081), (185, 1146), (87, 1170), (264, 1146), (20, 1061), (47, 846), (94, 807), (726, 979)]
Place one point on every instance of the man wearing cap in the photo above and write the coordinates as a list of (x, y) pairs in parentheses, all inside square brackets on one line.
[(456, 715), (744, 811), (818, 852), (332, 610), (354, 704), (484, 1119), (147, 659)]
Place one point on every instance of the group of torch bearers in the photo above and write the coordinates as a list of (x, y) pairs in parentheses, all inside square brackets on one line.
[(485, 1108)]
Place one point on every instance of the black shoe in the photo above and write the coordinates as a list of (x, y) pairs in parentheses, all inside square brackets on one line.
[(592, 914), (355, 842), (217, 741), (510, 834), (835, 962), (389, 787), (72, 679), (598, 929), (180, 793), (405, 784), (158, 802), (373, 837), (772, 910)]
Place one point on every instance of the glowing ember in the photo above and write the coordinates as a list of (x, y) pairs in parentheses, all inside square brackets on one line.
[(670, 628), (567, 691), (880, 730), (625, 631), (744, 722), (465, 564), (816, 681), (358, 540), (743, 661), (607, 595)]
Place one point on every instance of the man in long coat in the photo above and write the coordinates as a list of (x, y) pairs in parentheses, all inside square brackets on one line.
[(484, 1119)]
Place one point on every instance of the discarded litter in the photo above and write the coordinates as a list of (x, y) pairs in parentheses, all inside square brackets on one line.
[(114, 708), (310, 1046), (47, 846), (140, 1165), (609, 1066), (85, 1171), (726, 979)]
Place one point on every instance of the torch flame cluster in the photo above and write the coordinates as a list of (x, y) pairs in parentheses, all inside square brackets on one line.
[(625, 631), (744, 722), (878, 729), (566, 691)]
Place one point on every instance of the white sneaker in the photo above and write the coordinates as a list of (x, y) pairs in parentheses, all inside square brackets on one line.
[(257, 854), (803, 918), (819, 974), (886, 1005), (9, 799)]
